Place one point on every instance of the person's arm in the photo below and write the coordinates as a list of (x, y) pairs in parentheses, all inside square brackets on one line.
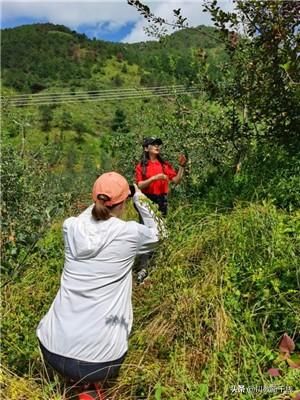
[(177, 179), (152, 229), (147, 182), (182, 162)]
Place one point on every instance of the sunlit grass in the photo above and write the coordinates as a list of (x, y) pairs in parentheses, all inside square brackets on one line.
[(221, 291)]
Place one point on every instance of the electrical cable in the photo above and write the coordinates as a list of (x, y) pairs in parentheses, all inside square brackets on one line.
[(84, 96), (118, 90), (102, 99), (101, 96)]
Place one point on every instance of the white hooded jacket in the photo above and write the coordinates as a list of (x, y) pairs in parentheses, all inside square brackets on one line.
[(91, 317)]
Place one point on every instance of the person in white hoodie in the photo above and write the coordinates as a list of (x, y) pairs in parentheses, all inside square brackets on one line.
[(84, 335)]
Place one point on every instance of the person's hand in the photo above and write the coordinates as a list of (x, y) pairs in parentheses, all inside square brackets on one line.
[(162, 177), (137, 189), (182, 160)]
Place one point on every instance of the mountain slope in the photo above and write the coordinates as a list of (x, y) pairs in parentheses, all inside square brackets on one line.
[(39, 56), (35, 56)]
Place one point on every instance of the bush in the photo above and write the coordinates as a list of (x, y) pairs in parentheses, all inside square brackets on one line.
[(32, 196), (266, 174)]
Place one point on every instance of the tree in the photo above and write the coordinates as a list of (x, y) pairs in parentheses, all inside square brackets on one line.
[(124, 69), (65, 123), (264, 64), (157, 29), (262, 75), (46, 119), (80, 128), (117, 80), (120, 57), (119, 123)]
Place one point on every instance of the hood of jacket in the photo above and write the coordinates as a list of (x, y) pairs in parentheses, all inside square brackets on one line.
[(86, 237)]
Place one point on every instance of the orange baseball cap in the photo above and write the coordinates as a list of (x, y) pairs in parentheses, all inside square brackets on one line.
[(112, 185)]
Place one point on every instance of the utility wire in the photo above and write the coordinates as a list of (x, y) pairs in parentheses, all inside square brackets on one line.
[(117, 90), (101, 95), (85, 95), (102, 99), (106, 95)]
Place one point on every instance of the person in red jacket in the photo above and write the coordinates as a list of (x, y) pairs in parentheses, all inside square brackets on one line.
[(153, 175)]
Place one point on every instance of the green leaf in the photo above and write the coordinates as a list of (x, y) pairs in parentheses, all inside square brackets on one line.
[(202, 390), (286, 66), (158, 391)]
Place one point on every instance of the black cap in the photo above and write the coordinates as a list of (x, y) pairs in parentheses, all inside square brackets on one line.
[(151, 140)]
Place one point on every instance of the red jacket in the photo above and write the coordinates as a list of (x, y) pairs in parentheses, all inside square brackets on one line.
[(153, 168)]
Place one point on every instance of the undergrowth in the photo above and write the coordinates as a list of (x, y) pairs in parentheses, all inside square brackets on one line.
[(223, 289)]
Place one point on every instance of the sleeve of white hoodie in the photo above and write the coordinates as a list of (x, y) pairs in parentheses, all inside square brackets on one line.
[(153, 228)]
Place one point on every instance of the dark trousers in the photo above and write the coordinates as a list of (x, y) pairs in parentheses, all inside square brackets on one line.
[(82, 371), (162, 201)]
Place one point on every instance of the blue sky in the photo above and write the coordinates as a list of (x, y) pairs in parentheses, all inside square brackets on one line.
[(112, 20)]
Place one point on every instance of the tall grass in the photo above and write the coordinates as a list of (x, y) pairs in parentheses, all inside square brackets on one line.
[(222, 290)]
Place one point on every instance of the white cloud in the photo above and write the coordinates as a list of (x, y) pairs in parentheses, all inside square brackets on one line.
[(72, 13), (192, 10), (105, 15)]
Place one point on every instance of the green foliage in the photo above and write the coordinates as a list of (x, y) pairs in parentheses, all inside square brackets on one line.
[(267, 172), (220, 296), (30, 300), (80, 128), (117, 80), (46, 117), (237, 268), (31, 198), (22, 203), (65, 123), (223, 287), (60, 55), (264, 72), (124, 69), (56, 54), (119, 122), (213, 137)]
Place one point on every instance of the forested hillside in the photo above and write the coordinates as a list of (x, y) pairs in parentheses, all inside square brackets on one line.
[(57, 55), (61, 57), (218, 318)]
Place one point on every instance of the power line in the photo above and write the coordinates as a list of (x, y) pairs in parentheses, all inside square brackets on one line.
[(117, 90), (103, 95), (102, 98), (98, 96)]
